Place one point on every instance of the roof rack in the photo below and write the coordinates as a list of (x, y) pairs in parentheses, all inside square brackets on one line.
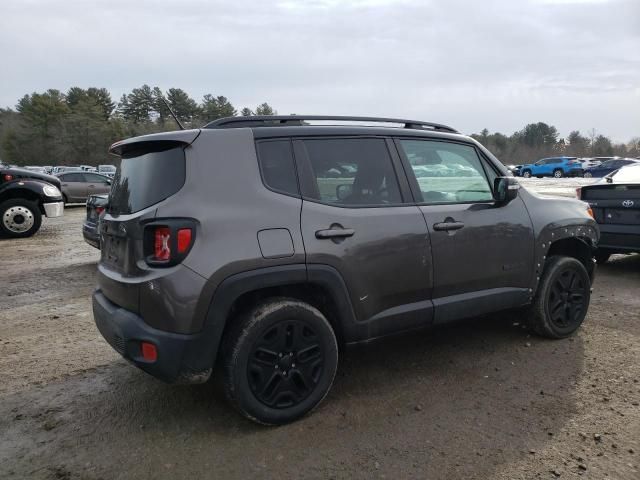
[(297, 120)]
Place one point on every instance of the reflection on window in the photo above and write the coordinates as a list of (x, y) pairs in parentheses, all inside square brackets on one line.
[(352, 171), (447, 172)]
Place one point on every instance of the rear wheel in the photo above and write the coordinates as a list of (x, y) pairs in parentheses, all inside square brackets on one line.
[(526, 174), (587, 175), (562, 299), (558, 173), (280, 361), (19, 218)]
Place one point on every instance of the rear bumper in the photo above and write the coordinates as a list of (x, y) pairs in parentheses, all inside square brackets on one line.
[(55, 209), (181, 358), (90, 234), (619, 238)]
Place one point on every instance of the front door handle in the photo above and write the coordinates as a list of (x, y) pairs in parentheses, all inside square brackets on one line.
[(447, 226), (335, 233)]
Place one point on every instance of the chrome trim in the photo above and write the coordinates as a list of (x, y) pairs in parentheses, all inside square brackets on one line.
[(55, 209)]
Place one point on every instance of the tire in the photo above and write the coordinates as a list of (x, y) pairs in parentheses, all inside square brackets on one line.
[(19, 218), (280, 359), (602, 256), (551, 315), (526, 174), (65, 200), (558, 173), (587, 175)]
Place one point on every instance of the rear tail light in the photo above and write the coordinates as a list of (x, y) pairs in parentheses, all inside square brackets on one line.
[(162, 247), (99, 210), (184, 239), (167, 242), (7, 177)]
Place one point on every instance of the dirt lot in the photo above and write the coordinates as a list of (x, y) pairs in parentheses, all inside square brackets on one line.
[(481, 399)]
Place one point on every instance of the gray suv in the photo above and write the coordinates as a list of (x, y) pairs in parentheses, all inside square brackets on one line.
[(262, 244)]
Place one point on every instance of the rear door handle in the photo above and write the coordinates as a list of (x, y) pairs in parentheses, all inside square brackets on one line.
[(447, 226), (335, 233)]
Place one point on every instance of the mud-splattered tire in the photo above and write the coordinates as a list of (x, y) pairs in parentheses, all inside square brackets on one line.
[(562, 299), (280, 359), (19, 218)]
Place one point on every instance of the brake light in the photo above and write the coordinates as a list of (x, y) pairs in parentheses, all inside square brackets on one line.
[(184, 239), (162, 248), (99, 210)]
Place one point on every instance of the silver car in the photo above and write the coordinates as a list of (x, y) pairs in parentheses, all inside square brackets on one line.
[(77, 186)]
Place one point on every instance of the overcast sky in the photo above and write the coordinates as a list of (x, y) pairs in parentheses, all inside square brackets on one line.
[(472, 64)]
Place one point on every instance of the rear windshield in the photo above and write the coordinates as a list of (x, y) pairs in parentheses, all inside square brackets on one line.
[(146, 177)]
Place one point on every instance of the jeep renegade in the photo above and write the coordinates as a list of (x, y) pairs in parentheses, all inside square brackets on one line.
[(261, 244)]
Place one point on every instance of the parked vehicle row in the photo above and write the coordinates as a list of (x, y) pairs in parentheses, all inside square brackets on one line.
[(559, 167), (286, 239)]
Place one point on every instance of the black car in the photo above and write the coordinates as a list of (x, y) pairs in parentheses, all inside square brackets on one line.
[(96, 205), (25, 196), (615, 201)]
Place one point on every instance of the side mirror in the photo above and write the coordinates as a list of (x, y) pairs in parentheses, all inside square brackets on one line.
[(343, 191), (505, 189)]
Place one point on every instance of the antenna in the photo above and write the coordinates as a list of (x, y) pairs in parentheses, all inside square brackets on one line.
[(172, 113)]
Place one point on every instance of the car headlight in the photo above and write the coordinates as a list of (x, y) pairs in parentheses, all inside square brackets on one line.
[(51, 191)]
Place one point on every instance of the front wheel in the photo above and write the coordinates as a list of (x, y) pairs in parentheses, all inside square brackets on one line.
[(562, 299), (526, 174), (280, 361), (19, 218), (558, 173)]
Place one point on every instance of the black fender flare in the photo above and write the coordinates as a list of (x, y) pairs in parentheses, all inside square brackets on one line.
[(233, 287), (586, 233)]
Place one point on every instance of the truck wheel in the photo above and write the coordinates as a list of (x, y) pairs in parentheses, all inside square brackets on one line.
[(280, 359), (558, 173), (19, 218), (526, 174), (602, 256), (562, 299)]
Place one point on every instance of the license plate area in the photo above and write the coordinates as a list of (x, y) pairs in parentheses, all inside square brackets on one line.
[(622, 216)]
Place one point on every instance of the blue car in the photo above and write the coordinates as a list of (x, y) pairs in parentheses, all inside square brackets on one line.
[(605, 168), (557, 167)]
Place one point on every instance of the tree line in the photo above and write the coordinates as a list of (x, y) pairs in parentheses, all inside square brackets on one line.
[(539, 140), (77, 127)]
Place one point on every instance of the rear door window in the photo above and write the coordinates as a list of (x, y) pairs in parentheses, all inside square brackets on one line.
[(350, 172), (72, 177), (147, 176)]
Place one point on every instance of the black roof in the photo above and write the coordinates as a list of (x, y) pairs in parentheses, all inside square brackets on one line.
[(302, 120)]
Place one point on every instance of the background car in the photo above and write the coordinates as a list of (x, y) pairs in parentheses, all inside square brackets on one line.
[(615, 202), (608, 167), (590, 162), (557, 167), (77, 186), (108, 170), (96, 205)]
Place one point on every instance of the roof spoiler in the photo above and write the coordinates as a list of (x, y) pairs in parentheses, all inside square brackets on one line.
[(185, 137)]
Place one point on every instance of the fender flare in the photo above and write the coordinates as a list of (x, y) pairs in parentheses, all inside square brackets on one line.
[(231, 288)]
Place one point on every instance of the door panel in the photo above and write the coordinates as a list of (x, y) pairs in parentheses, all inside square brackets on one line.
[(385, 258), (482, 253), (357, 219)]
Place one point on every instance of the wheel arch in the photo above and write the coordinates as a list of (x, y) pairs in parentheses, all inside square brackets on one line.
[(321, 286), (27, 192)]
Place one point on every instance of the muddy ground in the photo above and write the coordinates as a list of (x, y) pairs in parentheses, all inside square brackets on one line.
[(478, 400)]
